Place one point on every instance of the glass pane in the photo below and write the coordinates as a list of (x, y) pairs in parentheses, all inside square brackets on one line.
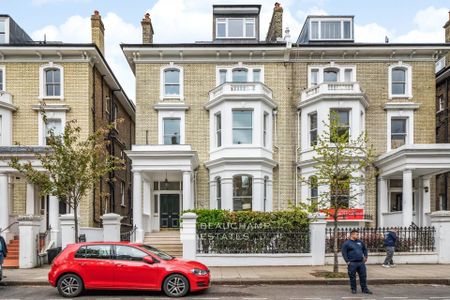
[(242, 136), (249, 29), (56, 76), (98, 252), (398, 126), (223, 76), (2, 26), (55, 125), (314, 30), (396, 201), (129, 253), (398, 75), (242, 118), (239, 75), (171, 131), (235, 28), (221, 31), (49, 76), (341, 115), (57, 90), (170, 186), (347, 30), (242, 185), (348, 75), (331, 30), (330, 75), (2, 38), (314, 77), (172, 76), (398, 88), (313, 121), (257, 75), (172, 89)]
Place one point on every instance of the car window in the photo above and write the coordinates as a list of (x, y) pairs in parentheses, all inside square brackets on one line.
[(157, 252), (129, 253), (94, 252)]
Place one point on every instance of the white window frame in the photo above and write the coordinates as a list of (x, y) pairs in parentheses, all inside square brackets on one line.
[(162, 93), (408, 87), (163, 114), (6, 20), (350, 118), (3, 82), (42, 133), (319, 28), (401, 114), (42, 81), (219, 192), (266, 122), (244, 23), (1, 130), (229, 75), (322, 68), (217, 130), (310, 129), (252, 128)]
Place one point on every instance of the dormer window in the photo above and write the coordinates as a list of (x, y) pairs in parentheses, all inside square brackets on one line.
[(327, 28), (235, 28), (2, 31)]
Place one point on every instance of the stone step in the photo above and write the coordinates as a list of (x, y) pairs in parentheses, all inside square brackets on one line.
[(11, 263)]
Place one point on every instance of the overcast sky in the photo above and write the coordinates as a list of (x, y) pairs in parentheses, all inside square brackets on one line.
[(190, 20)]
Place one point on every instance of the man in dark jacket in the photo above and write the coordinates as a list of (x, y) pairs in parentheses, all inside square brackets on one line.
[(389, 242), (3, 249), (355, 255)]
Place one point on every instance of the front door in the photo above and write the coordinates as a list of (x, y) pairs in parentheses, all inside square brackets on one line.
[(170, 210)]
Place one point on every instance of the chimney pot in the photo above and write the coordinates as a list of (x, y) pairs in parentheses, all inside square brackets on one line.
[(147, 16), (96, 12)]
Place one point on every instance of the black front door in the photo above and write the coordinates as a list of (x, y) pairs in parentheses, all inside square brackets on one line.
[(170, 210)]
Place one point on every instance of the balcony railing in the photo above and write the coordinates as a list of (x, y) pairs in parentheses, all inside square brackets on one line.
[(332, 88), (240, 89)]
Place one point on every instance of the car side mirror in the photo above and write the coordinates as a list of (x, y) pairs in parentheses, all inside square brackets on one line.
[(149, 260)]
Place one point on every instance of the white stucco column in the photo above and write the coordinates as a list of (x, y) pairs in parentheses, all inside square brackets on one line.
[(407, 198), (67, 222), (258, 194), (53, 220), (440, 220), (269, 202), (137, 206), (317, 229), (187, 191), (227, 193), (188, 235), (213, 194), (382, 200), (426, 201), (4, 203), (147, 208), (28, 233), (30, 207)]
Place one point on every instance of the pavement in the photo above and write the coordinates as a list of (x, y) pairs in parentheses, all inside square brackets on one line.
[(402, 274), (248, 292)]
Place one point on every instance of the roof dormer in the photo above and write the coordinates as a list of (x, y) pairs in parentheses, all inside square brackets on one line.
[(327, 29), (236, 23)]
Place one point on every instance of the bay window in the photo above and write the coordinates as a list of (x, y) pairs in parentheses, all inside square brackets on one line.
[(218, 130), (242, 192), (341, 118), (313, 129), (219, 192)]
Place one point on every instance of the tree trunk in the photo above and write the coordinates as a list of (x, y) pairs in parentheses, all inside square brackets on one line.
[(336, 239), (75, 215)]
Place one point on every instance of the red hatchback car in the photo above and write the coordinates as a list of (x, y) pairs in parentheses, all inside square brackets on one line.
[(124, 266)]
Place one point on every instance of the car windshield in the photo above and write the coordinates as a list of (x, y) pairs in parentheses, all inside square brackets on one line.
[(157, 252)]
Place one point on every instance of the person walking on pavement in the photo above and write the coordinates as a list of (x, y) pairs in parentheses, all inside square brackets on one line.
[(389, 242), (3, 253), (355, 254)]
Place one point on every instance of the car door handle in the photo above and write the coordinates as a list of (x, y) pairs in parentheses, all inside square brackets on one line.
[(119, 265)]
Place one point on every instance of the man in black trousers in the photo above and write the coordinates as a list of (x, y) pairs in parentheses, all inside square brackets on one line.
[(355, 255)]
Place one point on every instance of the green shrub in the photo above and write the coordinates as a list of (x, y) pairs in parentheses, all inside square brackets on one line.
[(292, 219)]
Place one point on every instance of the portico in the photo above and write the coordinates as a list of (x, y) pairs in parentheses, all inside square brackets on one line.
[(163, 185), (404, 183)]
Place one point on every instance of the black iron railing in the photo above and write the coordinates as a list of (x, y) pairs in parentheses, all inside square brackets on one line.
[(129, 236), (409, 239), (261, 241)]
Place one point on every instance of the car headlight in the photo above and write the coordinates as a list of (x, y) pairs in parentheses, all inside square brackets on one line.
[(199, 272)]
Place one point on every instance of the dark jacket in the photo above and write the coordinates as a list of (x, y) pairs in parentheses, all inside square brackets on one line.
[(390, 239), (354, 251), (3, 247)]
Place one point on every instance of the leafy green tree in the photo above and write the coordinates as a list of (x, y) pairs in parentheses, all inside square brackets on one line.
[(342, 169), (72, 165)]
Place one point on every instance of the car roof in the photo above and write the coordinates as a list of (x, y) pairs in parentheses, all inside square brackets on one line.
[(107, 243)]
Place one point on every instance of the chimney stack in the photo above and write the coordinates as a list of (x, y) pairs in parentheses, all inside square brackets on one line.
[(147, 29), (447, 38), (275, 33), (98, 31)]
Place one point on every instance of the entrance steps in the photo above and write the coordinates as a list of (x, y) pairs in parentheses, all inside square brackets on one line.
[(167, 241), (12, 260)]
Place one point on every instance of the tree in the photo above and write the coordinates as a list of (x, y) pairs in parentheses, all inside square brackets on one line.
[(72, 165), (342, 169)]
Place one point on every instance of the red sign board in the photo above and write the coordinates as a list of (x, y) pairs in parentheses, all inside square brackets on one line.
[(345, 213)]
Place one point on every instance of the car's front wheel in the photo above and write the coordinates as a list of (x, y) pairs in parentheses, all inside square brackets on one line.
[(176, 285), (70, 285)]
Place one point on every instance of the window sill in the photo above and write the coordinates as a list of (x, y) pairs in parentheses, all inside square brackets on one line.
[(172, 97), (61, 98), (400, 96)]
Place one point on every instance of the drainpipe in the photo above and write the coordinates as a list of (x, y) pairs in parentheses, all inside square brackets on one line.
[(275, 121), (296, 158)]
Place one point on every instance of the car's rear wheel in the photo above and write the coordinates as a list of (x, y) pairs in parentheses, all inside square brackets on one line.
[(176, 285), (70, 285)]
